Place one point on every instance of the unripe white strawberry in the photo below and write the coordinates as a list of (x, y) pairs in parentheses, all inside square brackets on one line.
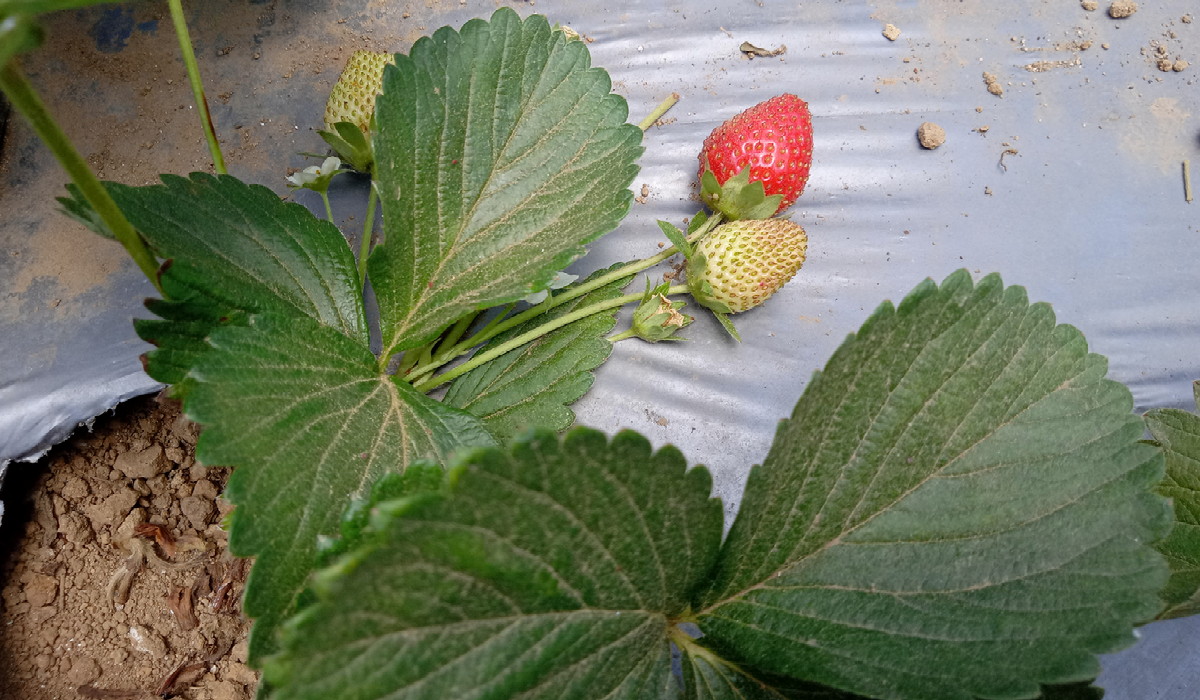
[(352, 98), (742, 263)]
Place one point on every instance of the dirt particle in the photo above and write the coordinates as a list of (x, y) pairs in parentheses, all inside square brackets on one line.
[(1090, 5), (1120, 9), (931, 135), (992, 82), (40, 589), (1180, 65), (143, 464), (83, 670), (147, 642), (891, 32), (198, 511)]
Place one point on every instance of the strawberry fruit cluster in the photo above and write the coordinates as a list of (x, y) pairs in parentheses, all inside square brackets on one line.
[(752, 167)]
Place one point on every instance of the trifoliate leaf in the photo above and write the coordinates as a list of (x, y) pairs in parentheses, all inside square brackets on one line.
[(1178, 432), (500, 152), (304, 414), (959, 507), (534, 385), (550, 570)]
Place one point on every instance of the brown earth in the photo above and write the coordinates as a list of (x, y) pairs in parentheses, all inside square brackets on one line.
[(117, 579)]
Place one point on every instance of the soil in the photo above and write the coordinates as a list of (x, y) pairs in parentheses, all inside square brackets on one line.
[(118, 580), (931, 135)]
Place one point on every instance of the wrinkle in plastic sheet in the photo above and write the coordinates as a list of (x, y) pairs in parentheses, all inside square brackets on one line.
[(1085, 209)]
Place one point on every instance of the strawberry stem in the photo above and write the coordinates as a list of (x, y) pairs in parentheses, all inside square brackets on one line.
[(531, 335), (188, 52), (364, 246), (328, 209), (26, 101), (662, 108)]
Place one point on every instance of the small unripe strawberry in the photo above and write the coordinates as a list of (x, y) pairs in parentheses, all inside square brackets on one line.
[(742, 263), (352, 98), (774, 141)]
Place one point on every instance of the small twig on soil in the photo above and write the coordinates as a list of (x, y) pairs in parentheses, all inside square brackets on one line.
[(179, 601), (1006, 152), (1187, 181), (658, 112), (122, 579), (186, 672), (91, 691), (159, 534)]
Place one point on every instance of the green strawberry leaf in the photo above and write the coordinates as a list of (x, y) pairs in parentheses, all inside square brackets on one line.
[(244, 248), (500, 152), (960, 506), (418, 478), (709, 677), (78, 208), (1178, 432), (231, 249), (180, 336), (533, 385), (551, 569), (1072, 691), (307, 418)]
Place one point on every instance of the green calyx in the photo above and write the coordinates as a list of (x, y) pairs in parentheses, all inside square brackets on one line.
[(698, 284), (351, 145), (657, 317), (738, 198), (702, 291)]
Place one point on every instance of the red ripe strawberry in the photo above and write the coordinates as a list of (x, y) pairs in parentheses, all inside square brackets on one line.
[(774, 140)]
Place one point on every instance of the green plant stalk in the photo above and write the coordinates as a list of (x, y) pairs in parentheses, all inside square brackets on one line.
[(662, 108), (570, 293), (455, 334), (26, 101), (492, 353), (364, 246), (328, 209), (623, 335), (188, 52)]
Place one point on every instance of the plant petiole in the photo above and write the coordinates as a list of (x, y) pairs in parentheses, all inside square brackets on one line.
[(188, 52), (328, 209), (568, 294), (623, 335), (364, 246), (26, 101), (658, 112), (492, 353)]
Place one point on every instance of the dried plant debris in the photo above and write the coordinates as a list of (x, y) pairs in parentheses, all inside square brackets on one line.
[(751, 51)]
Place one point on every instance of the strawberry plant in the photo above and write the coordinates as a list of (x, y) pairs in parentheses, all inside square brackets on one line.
[(960, 505)]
